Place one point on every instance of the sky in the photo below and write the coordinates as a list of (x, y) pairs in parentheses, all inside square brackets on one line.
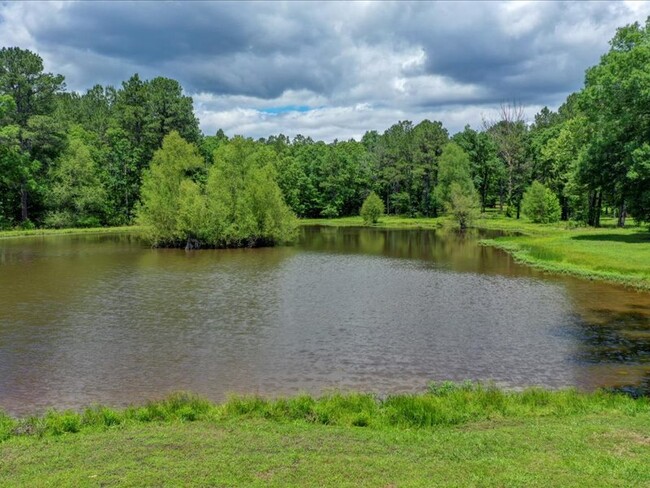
[(328, 70)]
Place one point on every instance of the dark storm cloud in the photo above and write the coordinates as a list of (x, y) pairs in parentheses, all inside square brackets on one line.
[(254, 49), (362, 63)]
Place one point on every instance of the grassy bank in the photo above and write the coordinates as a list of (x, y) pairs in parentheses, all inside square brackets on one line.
[(386, 222), (607, 253), (52, 232), (452, 436)]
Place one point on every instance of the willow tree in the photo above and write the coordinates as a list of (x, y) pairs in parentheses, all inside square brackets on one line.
[(455, 188), (239, 204)]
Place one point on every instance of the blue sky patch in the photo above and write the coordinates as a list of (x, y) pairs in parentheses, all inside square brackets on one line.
[(286, 108)]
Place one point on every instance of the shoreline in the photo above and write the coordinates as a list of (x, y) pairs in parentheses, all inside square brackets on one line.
[(620, 256)]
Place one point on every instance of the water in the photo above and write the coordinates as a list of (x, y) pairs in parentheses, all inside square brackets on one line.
[(104, 319)]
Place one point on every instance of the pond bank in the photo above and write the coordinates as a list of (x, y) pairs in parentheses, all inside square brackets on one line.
[(608, 253), (4, 234), (453, 435)]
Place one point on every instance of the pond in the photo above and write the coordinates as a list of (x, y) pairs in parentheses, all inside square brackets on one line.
[(104, 319)]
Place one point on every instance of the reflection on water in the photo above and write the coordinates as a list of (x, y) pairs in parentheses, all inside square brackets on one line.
[(105, 319)]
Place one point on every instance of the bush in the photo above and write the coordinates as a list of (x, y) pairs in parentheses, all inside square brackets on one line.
[(463, 204), (372, 209), (540, 204)]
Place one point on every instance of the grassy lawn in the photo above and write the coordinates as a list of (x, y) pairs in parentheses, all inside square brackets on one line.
[(494, 438), (607, 253)]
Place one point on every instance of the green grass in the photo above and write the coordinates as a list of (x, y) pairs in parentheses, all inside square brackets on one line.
[(385, 222), (455, 435), (50, 232), (609, 253)]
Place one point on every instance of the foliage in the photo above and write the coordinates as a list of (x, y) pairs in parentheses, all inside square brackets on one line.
[(455, 187), (240, 204), (76, 195), (161, 191), (540, 204), (372, 209), (462, 204)]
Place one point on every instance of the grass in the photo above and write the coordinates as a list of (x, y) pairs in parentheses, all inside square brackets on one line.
[(608, 253), (385, 222), (618, 255), (51, 232), (454, 435)]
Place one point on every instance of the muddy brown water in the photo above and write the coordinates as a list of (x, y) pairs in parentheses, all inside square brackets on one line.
[(91, 319)]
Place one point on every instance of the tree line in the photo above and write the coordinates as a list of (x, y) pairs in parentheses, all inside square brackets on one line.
[(70, 159)]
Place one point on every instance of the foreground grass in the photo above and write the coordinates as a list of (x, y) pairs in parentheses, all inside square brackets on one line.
[(51, 232), (607, 253), (456, 435)]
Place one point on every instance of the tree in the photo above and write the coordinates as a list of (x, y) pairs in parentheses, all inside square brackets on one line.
[(161, 191), (76, 194), (540, 204), (510, 134), (33, 93), (22, 77), (485, 166), (455, 189), (615, 165), (240, 204), (372, 209), (462, 204)]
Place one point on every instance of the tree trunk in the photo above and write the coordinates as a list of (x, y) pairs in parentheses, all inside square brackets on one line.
[(599, 203), (622, 213), (23, 203), (564, 203)]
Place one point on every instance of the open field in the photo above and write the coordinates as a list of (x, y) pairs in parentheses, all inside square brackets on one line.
[(453, 436)]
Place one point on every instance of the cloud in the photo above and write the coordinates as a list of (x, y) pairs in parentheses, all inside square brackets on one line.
[(357, 66)]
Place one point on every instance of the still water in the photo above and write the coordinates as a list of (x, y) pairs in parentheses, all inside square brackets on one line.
[(104, 319)]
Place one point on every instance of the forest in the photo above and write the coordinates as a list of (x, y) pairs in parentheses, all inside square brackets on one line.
[(84, 160)]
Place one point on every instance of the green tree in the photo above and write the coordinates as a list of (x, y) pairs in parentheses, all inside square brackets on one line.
[(245, 203), (372, 209), (76, 194), (615, 166), (485, 166), (161, 193), (240, 204), (33, 92), (540, 204), (462, 204), (455, 189)]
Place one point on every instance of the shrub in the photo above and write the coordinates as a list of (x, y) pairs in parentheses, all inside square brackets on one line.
[(540, 204), (372, 209)]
